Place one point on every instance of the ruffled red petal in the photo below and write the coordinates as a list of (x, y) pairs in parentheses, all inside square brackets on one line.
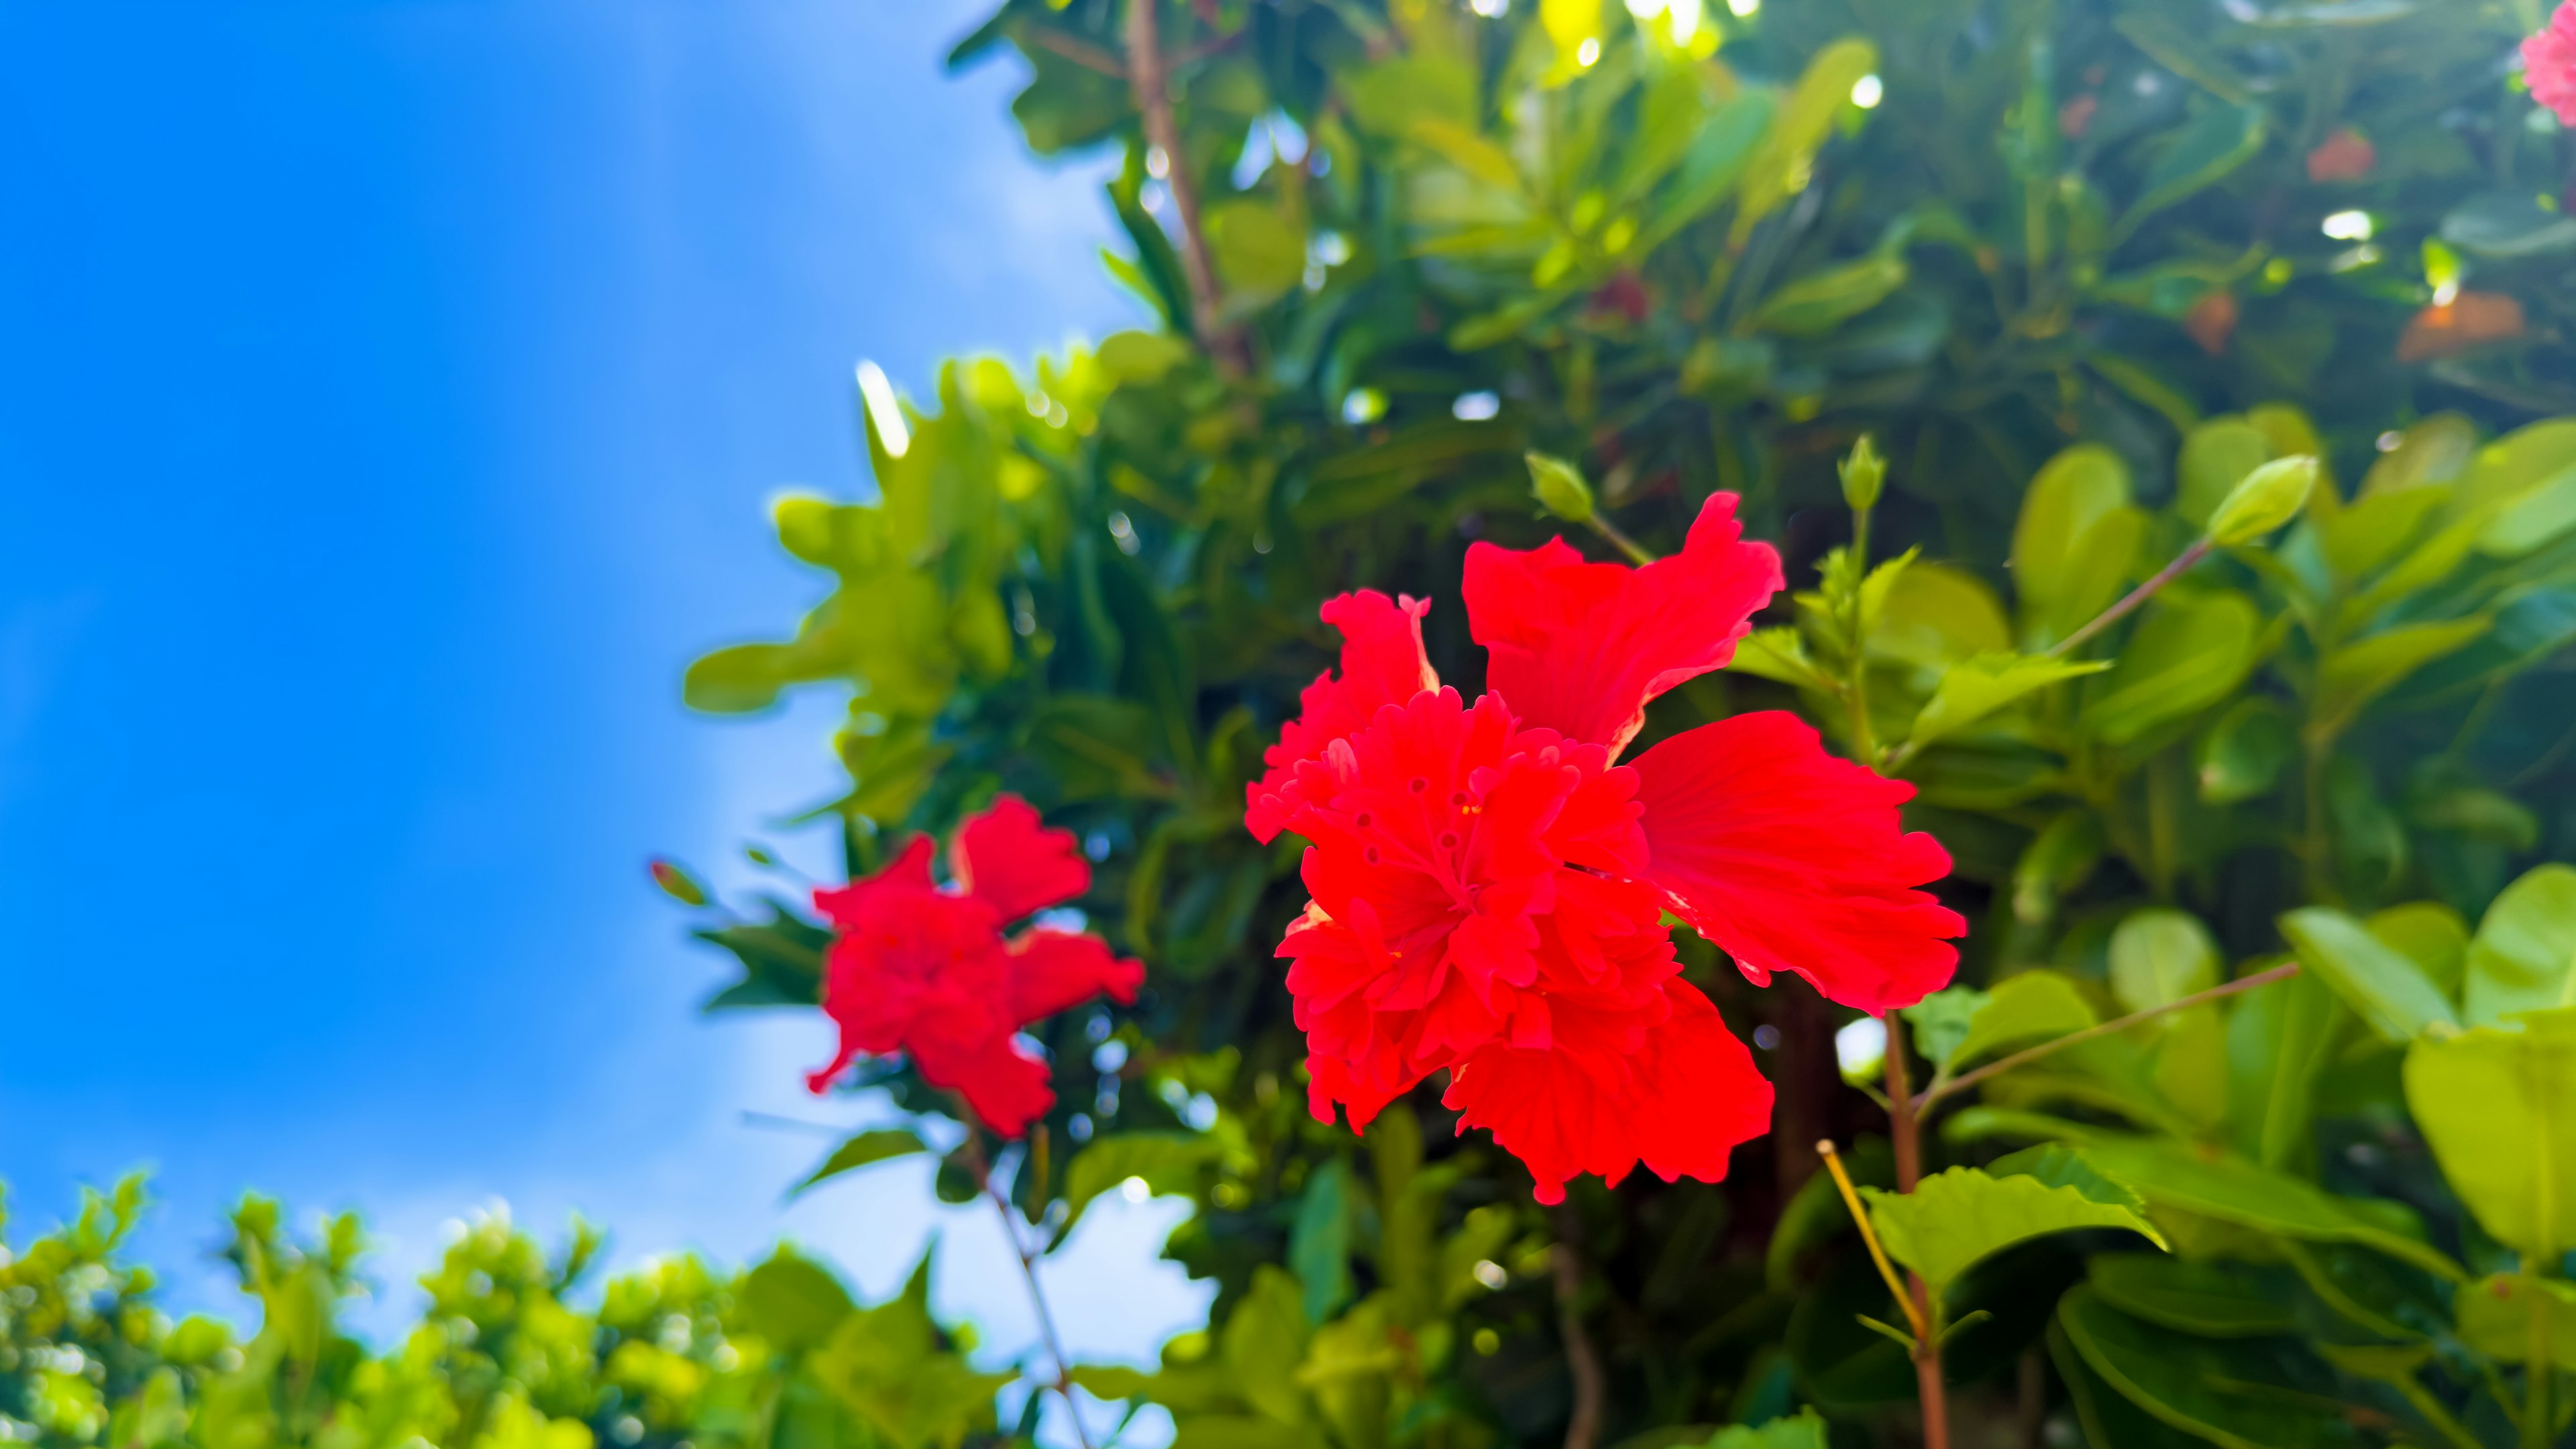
[(1581, 647), (1004, 1087), (1052, 971), (1383, 663), (1008, 859), (1792, 860), (2549, 64)]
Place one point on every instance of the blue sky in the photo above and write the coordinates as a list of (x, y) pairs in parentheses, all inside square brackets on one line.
[(391, 396)]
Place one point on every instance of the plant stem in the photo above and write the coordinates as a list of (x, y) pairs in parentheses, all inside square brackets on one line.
[(1869, 1237), (1152, 84), (1945, 1087), (2181, 565), (1905, 1131), (2538, 1417), (1028, 1257), (1637, 553), (1856, 694), (1565, 1260)]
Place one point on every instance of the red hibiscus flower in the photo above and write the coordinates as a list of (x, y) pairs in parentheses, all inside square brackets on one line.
[(926, 970), (1490, 884), (2549, 64)]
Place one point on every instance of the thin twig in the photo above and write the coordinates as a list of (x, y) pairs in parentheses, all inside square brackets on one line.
[(1028, 1257), (1961, 1083), (1907, 1133), (1583, 1430), (1869, 1237), (2182, 563), (1637, 554), (1153, 87), (1078, 50)]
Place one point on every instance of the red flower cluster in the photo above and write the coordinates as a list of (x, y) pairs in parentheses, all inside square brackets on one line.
[(1489, 884), (2549, 64), (928, 972)]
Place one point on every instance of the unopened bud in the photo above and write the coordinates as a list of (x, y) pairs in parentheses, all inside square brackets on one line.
[(2270, 496), (678, 884), (1560, 488), (1864, 475)]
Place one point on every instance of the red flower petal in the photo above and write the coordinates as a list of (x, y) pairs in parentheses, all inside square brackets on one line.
[(1003, 1087), (1668, 1085), (1581, 647), (2549, 64), (1382, 664), (1790, 859), (1007, 859), (1052, 971)]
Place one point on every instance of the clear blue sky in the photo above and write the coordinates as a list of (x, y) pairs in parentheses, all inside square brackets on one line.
[(390, 398)]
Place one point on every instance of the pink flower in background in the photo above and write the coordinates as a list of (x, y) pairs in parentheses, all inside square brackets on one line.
[(2549, 64)]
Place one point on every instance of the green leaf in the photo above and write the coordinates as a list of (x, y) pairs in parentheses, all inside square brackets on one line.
[(2207, 151), (883, 1144), (2537, 516), (2216, 456), (2498, 1107), (782, 960), (1953, 1220), (1806, 1431), (1937, 615), (2025, 1008), (2382, 985), (2355, 674), (2375, 528), (1974, 688), (1319, 1242), (1112, 1382), (2159, 956), (2058, 1165), (2495, 1317), (2080, 490), (2206, 1389), (1780, 654), (890, 1364), (2520, 959), (2509, 224), (2230, 1189), (2209, 1300), (2193, 649), (1804, 121), (2242, 755), (1265, 1341), (1167, 1162), (792, 1301), (2431, 935), (1940, 1021), (1819, 302)]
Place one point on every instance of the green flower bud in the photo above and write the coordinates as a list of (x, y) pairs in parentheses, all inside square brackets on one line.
[(678, 884), (1864, 475), (2270, 496), (1560, 488)]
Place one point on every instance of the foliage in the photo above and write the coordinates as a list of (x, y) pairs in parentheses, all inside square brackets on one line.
[(2209, 579), (503, 1356)]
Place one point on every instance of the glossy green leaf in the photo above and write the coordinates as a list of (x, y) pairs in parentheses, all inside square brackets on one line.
[(2431, 935), (2376, 528), (2216, 456), (2523, 957), (2242, 755), (1319, 1241), (2023, 1009), (1940, 1021), (2200, 1387), (2357, 673), (2057, 1165), (2382, 985), (2532, 519), (2075, 491), (2497, 1104), (2507, 225), (1821, 301), (1955, 1219), (1937, 615), (2230, 1189), (892, 1365), (2206, 152), (2191, 651), (1974, 688), (1803, 1431), (865, 1149), (1780, 654), (1805, 118), (1166, 1162), (2211, 1300), (2160, 956)]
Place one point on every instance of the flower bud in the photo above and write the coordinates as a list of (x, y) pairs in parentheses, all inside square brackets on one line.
[(1560, 488), (678, 884), (2270, 496), (1864, 475)]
